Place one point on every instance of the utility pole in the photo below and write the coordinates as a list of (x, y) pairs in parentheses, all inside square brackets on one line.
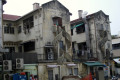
[(2, 2)]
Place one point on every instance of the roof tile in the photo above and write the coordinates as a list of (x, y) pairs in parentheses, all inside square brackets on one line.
[(10, 17)]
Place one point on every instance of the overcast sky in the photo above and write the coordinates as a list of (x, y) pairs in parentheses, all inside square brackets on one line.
[(109, 7)]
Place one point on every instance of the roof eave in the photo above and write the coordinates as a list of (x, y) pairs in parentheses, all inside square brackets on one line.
[(28, 14)]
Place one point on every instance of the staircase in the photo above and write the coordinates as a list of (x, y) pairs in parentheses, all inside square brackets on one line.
[(64, 54), (104, 37)]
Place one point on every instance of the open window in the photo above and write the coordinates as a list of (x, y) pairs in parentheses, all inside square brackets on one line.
[(29, 46), (82, 48), (28, 24), (57, 21), (80, 28)]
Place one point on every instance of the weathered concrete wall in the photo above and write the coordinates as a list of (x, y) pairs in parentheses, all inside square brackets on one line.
[(92, 37), (42, 72), (50, 10), (116, 53), (100, 35), (7, 36), (79, 38)]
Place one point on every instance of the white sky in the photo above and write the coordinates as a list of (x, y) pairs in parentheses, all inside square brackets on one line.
[(109, 7)]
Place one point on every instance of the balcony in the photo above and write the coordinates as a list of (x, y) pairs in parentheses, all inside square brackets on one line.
[(47, 58), (79, 56)]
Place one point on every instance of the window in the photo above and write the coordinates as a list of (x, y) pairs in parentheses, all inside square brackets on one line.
[(28, 23), (9, 30), (20, 48), (57, 21), (49, 53), (82, 46), (6, 30), (70, 71), (19, 29), (80, 28), (11, 49), (61, 44), (71, 31), (50, 74), (116, 46), (29, 46), (75, 71)]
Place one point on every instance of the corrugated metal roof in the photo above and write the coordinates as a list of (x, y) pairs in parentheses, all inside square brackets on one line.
[(10, 17)]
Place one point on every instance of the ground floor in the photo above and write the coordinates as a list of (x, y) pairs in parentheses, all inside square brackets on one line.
[(55, 71)]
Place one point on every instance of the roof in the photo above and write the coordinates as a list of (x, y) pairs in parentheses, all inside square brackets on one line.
[(94, 64), (15, 17), (115, 41), (76, 20), (29, 13), (87, 17), (10, 17), (53, 1)]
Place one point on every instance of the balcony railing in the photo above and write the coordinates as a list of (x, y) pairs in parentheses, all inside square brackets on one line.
[(79, 55), (47, 58)]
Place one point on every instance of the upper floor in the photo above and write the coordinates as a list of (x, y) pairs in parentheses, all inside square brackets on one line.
[(94, 31), (39, 31)]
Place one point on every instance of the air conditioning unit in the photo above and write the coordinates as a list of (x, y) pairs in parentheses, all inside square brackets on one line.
[(50, 56), (19, 63), (7, 65), (6, 77)]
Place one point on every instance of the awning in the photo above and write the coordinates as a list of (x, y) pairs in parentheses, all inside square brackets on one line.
[(49, 46), (71, 64), (52, 66), (77, 25), (94, 64), (117, 60)]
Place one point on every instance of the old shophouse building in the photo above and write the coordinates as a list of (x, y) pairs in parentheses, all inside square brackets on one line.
[(41, 40), (91, 39)]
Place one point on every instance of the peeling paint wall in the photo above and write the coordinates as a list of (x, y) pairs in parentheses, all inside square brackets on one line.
[(50, 10), (101, 35)]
